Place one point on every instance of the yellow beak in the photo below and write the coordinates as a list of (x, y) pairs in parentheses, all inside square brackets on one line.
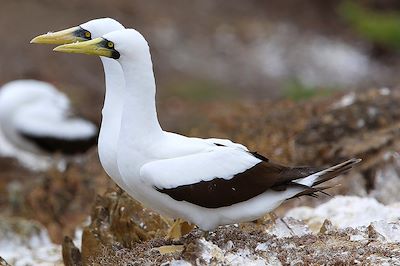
[(97, 47), (71, 35)]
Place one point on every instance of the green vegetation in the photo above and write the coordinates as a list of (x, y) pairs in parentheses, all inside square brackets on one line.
[(200, 90), (297, 91), (382, 28)]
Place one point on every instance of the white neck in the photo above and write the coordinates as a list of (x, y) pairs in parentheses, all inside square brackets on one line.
[(112, 113), (140, 129), (139, 118), (114, 96)]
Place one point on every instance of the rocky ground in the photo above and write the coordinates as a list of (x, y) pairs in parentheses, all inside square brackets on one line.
[(253, 246), (350, 239), (45, 215)]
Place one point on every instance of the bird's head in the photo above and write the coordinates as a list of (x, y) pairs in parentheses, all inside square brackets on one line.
[(121, 44), (87, 31)]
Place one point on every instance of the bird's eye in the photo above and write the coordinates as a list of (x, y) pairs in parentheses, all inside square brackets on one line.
[(87, 34), (110, 44)]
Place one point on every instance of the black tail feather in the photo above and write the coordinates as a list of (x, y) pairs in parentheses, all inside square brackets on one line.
[(327, 174), (336, 170)]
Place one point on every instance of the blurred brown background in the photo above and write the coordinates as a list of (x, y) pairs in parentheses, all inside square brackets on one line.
[(210, 48)]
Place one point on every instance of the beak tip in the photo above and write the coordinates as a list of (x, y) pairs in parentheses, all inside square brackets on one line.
[(41, 39), (60, 48)]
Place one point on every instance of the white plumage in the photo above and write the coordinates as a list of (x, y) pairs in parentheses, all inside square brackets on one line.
[(113, 102), (34, 118), (234, 161), (208, 182)]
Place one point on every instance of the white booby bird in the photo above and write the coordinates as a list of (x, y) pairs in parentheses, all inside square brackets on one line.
[(115, 89), (35, 121), (208, 184)]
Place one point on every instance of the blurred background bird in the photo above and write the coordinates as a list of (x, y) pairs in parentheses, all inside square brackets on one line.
[(37, 122)]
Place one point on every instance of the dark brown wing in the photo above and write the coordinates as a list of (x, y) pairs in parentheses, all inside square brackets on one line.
[(266, 175), (220, 192)]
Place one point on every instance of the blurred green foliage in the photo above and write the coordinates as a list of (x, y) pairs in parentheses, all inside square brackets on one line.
[(200, 90), (297, 91), (379, 27)]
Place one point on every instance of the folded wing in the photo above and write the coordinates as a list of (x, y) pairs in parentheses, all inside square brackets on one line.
[(226, 176)]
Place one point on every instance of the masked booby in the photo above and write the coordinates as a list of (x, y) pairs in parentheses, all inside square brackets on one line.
[(115, 89), (206, 183)]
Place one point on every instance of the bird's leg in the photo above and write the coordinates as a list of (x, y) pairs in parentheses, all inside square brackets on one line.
[(167, 220), (178, 229), (174, 231), (273, 216), (267, 219)]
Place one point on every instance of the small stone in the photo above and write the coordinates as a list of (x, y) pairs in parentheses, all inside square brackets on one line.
[(389, 232), (373, 234), (357, 237), (262, 247), (287, 227), (170, 249), (326, 227), (229, 245)]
